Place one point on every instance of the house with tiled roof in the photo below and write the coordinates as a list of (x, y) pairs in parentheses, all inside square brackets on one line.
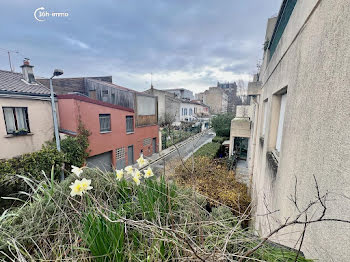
[(25, 113)]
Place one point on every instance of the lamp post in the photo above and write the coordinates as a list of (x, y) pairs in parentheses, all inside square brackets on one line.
[(57, 72)]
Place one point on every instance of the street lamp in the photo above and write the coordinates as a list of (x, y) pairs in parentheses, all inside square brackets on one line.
[(57, 72)]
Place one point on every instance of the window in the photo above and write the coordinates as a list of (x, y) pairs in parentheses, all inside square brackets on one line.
[(129, 124), (190, 111), (16, 119), (280, 122), (263, 131), (105, 123), (185, 110), (182, 111)]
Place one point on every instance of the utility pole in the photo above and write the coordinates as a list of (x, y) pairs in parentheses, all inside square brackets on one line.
[(57, 72)]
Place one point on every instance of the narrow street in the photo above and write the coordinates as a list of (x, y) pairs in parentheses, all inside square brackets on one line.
[(172, 156)]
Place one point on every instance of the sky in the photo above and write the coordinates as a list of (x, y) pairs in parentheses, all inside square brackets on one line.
[(189, 44)]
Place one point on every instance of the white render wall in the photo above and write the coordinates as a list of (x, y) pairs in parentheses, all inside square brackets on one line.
[(312, 61), (40, 124)]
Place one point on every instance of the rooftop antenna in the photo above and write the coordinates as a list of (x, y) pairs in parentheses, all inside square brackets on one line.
[(9, 56), (151, 80)]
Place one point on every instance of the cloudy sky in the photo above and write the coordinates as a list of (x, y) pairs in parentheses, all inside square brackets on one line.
[(183, 43)]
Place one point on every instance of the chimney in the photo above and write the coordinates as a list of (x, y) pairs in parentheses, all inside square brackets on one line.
[(27, 71)]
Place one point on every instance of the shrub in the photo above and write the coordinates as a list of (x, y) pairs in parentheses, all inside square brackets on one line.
[(222, 124), (108, 223), (219, 139), (209, 150), (213, 180)]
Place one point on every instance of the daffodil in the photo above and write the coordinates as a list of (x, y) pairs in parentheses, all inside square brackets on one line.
[(136, 180), (148, 172), (85, 183), (77, 188), (120, 174), (129, 169), (137, 173), (77, 170), (142, 162)]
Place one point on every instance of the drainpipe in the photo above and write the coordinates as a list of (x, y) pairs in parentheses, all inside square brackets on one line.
[(254, 134)]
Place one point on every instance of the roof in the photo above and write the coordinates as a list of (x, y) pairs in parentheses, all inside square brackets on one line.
[(93, 101), (13, 83)]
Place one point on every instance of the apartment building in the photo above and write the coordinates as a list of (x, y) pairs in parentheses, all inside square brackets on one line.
[(299, 129)]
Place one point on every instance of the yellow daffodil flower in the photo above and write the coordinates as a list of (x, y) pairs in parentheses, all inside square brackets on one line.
[(142, 162), (129, 169), (85, 183), (137, 174), (148, 172), (136, 180), (77, 170), (77, 188), (120, 174)]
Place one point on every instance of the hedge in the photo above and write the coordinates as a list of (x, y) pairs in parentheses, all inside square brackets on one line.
[(208, 150)]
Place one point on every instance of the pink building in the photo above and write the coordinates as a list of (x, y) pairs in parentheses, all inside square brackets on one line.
[(117, 137)]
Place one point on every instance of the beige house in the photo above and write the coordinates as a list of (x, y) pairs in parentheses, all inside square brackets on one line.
[(215, 98), (25, 115), (300, 127)]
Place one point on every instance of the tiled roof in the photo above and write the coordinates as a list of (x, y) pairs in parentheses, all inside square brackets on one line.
[(13, 83)]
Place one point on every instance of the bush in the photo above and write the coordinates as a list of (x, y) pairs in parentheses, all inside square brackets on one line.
[(213, 180), (222, 124), (120, 221), (209, 150), (219, 139)]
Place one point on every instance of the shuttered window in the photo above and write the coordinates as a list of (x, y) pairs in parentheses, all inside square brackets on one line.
[(105, 123), (16, 119), (129, 124)]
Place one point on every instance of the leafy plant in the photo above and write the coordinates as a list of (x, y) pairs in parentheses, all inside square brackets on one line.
[(209, 150), (222, 124), (105, 239)]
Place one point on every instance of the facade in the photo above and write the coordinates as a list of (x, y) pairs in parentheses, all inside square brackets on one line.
[(215, 98), (25, 117), (181, 93), (109, 146), (299, 129), (168, 105), (200, 109), (233, 99), (187, 111), (115, 138)]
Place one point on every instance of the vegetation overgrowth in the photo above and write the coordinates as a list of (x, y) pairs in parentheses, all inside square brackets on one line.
[(222, 124), (96, 216), (73, 152)]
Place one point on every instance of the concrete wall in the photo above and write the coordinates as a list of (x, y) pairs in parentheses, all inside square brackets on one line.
[(216, 99), (40, 123), (167, 104), (70, 108), (311, 64)]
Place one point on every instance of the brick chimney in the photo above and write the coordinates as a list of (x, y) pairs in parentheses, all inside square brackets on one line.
[(27, 71)]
